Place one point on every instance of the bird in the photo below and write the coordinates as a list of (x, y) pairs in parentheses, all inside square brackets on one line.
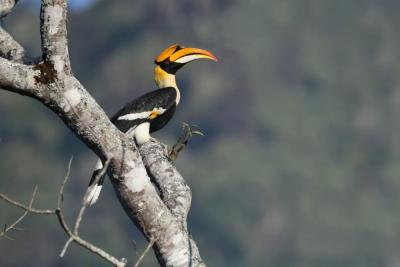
[(153, 110)]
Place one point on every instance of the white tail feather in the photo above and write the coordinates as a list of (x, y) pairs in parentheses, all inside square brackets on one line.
[(92, 194)]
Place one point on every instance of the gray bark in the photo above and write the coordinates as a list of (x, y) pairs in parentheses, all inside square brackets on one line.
[(162, 219), (175, 193), (6, 6), (9, 48)]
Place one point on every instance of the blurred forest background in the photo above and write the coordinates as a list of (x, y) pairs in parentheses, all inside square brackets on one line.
[(300, 161)]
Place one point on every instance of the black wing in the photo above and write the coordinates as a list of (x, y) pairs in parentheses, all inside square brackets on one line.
[(144, 108)]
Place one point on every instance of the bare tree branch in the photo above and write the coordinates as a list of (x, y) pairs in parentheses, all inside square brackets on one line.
[(19, 78), (60, 216), (61, 193), (175, 193), (187, 133), (14, 224), (151, 243), (75, 238), (24, 207), (11, 49)]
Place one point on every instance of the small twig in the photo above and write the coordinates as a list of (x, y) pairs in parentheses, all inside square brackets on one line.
[(64, 250), (59, 208), (149, 246), (79, 219), (61, 193), (14, 224), (24, 207), (187, 133), (8, 238), (135, 249)]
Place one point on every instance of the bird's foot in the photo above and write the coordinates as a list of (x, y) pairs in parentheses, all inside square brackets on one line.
[(187, 132)]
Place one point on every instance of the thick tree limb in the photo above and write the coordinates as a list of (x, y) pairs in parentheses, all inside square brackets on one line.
[(19, 78), (53, 29), (175, 193), (6, 6), (51, 82), (11, 49)]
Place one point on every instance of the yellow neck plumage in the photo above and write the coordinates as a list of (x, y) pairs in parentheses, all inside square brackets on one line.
[(164, 79)]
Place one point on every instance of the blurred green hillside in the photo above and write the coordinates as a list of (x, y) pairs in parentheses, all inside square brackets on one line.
[(300, 164)]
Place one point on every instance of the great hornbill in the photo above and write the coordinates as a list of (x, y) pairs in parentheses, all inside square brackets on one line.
[(152, 111)]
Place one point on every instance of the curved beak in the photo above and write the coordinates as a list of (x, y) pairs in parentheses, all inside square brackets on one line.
[(188, 54)]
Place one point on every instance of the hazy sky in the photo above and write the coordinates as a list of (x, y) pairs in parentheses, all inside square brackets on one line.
[(78, 4), (81, 3)]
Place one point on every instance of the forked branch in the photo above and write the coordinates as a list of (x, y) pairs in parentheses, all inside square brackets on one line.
[(58, 211), (13, 226)]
